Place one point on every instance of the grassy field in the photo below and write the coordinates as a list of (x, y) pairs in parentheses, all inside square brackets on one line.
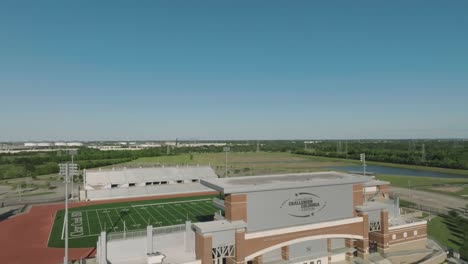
[(85, 223), (445, 232), (450, 186), (417, 181), (405, 166), (424, 168), (253, 163), (247, 163)]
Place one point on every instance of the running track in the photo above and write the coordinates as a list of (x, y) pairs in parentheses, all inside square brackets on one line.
[(24, 238)]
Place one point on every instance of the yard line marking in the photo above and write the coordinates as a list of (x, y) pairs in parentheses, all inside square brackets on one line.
[(79, 237), (107, 212), (161, 215), (63, 227), (189, 212), (87, 220), (194, 204), (146, 210), (178, 212), (134, 222), (119, 219), (144, 221), (169, 211), (139, 205), (98, 219), (209, 207)]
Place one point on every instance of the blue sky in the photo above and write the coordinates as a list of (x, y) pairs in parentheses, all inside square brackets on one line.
[(124, 70)]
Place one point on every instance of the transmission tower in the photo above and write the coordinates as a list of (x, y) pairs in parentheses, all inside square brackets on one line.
[(423, 154)]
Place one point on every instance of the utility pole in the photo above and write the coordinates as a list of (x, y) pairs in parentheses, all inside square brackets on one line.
[(363, 160), (67, 169), (226, 150), (72, 152), (423, 155)]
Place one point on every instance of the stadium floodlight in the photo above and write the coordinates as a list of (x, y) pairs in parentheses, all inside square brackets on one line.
[(362, 157), (67, 169), (72, 152), (226, 150)]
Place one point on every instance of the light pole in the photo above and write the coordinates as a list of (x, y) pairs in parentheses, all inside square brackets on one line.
[(72, 152), (363, 159), (67, 169), (226, 150)]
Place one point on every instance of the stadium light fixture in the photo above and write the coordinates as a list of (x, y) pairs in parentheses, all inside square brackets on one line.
[(72, 152), (226, 150), (67, 169), (363, 160)]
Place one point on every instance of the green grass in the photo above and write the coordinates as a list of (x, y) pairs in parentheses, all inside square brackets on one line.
[(426, 183), (442, 229), (416, 167), (85, 223), (247, 163), (417, 181), (397, 165)]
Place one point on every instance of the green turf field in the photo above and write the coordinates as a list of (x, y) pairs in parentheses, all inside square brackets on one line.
[(85, 223)]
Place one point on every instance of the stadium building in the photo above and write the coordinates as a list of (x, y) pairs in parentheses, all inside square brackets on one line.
[(304, 218), (139, 182)]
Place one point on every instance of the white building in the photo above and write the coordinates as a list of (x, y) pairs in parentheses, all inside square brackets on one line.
[(137, 182)]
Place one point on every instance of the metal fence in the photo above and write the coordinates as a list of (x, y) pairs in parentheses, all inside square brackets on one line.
[(142, 233)]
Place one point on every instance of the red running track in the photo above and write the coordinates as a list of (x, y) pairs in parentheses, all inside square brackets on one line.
[(24, 238)]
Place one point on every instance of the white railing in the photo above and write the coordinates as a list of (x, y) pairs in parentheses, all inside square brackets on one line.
[(142, 232)]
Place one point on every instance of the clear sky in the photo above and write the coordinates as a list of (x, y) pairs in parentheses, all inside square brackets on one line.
[(124, 70)]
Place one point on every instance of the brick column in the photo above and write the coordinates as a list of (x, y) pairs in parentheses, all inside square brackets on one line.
[(363, 245), (384, 190), (285, 253), (358, 198), (258, 260), (235, 207), (203, 247), (384, 234), (239, 248), (349, 243), (329, 249)]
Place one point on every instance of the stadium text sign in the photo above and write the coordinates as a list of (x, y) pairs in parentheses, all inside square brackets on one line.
[(76, 224), (303, 204)]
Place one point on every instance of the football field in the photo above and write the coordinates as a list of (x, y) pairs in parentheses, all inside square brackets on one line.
[(86, 223)]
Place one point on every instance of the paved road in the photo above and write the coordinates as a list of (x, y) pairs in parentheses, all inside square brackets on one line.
[(431, 199)]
